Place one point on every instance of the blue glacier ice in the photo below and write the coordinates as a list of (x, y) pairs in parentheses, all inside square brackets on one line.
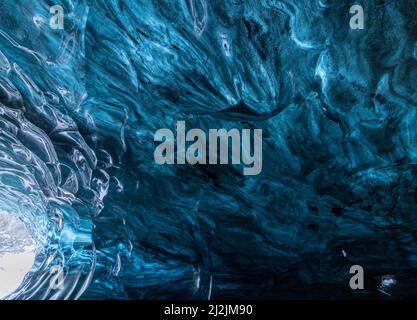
[(79, 108)]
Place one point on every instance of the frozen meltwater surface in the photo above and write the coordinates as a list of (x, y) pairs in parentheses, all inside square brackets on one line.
[(17, 253)]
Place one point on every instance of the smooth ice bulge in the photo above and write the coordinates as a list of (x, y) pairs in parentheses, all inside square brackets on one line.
[(17, 253)]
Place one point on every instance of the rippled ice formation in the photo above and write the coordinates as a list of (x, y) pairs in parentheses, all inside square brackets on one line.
[(79, 108)]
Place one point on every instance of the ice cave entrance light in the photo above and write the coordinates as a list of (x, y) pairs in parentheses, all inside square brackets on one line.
[(17, 253)]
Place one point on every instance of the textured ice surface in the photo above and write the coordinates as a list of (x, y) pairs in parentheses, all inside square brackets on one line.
[(79, 107), (17, 253)]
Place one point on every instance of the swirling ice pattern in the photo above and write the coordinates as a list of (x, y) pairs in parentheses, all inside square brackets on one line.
[(79, 107)]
